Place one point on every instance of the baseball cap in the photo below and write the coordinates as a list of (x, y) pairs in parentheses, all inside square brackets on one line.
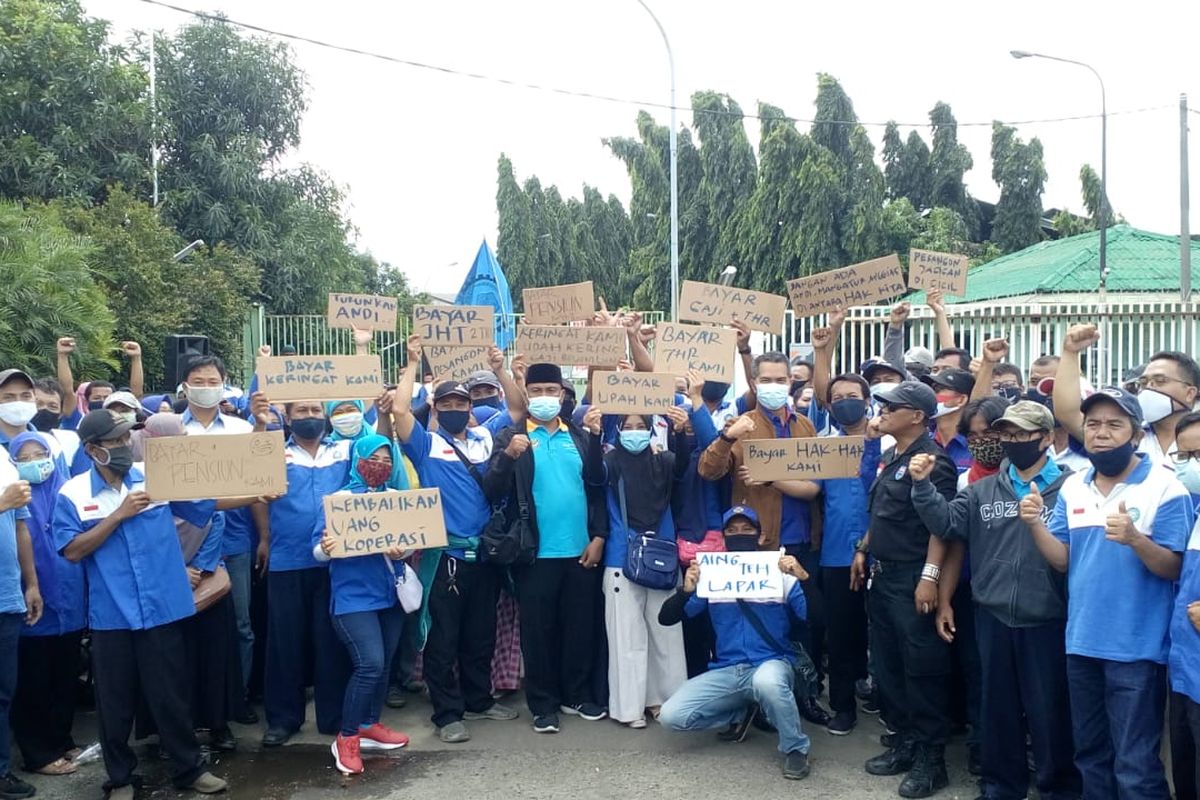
[(8, 374), (913, 394), (874, 364), (1115, 394), (122, 399), (482, 378), (103, 424), (742, 511), (954, 379), (919, 355), (1028, 415), (451, 389)]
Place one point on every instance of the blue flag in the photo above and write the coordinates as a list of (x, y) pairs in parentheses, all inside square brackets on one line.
[(485, 285)]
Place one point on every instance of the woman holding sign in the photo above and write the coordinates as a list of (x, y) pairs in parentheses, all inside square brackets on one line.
[(366, 611)]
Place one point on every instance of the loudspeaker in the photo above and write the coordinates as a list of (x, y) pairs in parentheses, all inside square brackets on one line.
[(179, 350)]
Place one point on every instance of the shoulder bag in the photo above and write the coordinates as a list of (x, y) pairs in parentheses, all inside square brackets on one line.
[(649, 561)]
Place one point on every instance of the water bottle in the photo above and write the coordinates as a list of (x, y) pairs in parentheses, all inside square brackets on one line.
[(90, 753)]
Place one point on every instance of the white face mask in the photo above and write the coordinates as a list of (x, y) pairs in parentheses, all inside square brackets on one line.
[(878, 388), (1155, 405), (205, 396), (127, 416), (348, 424), (772, 396), (18, 413), (1189, 474)]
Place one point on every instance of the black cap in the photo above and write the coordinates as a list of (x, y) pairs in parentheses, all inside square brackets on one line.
[(102, 424), (451, 389), (543, 373), (8, 374), (912, 394), (873, 365), (1127, 402), (483, 378), (954, 379)]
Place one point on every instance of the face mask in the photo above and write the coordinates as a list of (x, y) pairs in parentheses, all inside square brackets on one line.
[(35, 471), (490, 402), (1023, 455), (126, 416), (771, 396), (348, 424), (568, 408), (634, 441), (943, 407), (713, 391), (741, 542), (1189, 475), (453, 422), (1155, 405), (120, 459), (848, 412), (1010, 393), (1112, 462), (796, 386), (544, 409), (17, 413), (374, 473), (985, 449), (879, 388), (95, 405), (205, 396), (46, 420), (309, 428)]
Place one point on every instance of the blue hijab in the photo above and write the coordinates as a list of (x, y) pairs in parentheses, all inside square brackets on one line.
[(364, 447), (152, 403), (41, 507), (367, 429)]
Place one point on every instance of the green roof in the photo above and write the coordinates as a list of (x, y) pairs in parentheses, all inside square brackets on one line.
[(1138, 261)]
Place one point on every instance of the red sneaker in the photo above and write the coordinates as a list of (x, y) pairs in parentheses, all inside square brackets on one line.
[(346, 755), (380, 737)]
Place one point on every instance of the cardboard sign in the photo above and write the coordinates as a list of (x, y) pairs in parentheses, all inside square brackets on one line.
[(553, 305), (711, 302), (288, 378), (588, 347), (456, 363), (375, 522), (803, 458), (857, 285), (708, 350), (210, 467), (367, 312), (633, 392), (726, 577), (455, 326), (946, 271)]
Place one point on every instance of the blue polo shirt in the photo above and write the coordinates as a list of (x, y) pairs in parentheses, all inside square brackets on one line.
[(558, 492), (1117, 608), (847, 516), (1048, 475), (1184, 658), (957, 449), (136, 579), (795, 520), (310, 478), (12, 597), (357, 583)]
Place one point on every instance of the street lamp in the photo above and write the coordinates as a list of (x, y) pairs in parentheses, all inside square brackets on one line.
[(674, 173), (185, 252)]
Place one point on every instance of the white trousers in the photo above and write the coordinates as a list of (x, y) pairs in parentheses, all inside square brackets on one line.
[(646, 663)]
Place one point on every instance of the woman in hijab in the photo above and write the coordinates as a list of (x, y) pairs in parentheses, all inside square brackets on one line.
[(367, 614), (646, 661), (48, 653), (348, 419), (156, 404)]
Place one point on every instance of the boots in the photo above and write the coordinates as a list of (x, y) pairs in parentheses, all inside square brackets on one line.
[(896, 761), (928, 773)]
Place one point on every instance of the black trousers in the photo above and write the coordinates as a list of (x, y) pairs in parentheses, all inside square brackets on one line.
[(557, 599), (964, 653), (1184, 725), (912, 663), (299, 634), (462, 637), (698, 643), (810, 632), (1025, 688), (213, 664), (846, 637), (44, 706), (148, 664)]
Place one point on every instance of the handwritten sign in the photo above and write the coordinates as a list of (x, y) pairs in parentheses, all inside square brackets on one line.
[(210, 467), (455, 326), (375, 522), (367, 312), (711, 302), (552, 305), (289, 378), (860, 284), (946, 271), (708, 350), (803, 458), (585, 347), (456, 363), (725, 577), (633, 392)]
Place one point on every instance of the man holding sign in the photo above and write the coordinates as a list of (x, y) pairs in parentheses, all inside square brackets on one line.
[(754, 661)]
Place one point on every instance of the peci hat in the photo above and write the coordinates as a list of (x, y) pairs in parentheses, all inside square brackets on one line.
[(544, 373), (742, 511), (103, 424), (1028, 415), (1126, 401), (913, 394), (954, 379)]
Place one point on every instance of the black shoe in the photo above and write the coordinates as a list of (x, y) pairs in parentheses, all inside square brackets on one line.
[(738, 731), (795, 766), (13, 788), (928, 773), (889, 740), (761, 723), (222, 739), (546, 723), (871, 704), (274, 737), (811, 710), (863, 688), (247, 717), (974, 760), (395, 697), (589, 711), (896, 761), (842, 723)]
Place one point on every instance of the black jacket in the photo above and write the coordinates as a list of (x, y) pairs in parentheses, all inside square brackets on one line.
[(499, 481)]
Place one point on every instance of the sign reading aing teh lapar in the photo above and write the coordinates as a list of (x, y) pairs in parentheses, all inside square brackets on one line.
[(726, 577)]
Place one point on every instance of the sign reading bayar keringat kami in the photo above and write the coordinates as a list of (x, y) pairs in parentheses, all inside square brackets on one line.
[(376, 522), (288, 378)]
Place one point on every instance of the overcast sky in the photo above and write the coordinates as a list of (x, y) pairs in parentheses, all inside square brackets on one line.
[(417, 149)]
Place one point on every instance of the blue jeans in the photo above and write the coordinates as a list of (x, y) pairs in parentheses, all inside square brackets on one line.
[(1117, 717), (10, 635), (719, 697), (239, 567), (371, 638)]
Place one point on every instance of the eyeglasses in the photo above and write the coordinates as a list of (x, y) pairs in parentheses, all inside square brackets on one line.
[(1021, 436), (1159, 381), (1181, 457), (889, 408)]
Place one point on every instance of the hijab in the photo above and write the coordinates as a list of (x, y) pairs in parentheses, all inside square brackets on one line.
[(44, 494), (364, 447), (152, 403), (157, 424), (648, 482), (367, 428)]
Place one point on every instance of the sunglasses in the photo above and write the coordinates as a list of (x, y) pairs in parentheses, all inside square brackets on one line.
[(888, 408)]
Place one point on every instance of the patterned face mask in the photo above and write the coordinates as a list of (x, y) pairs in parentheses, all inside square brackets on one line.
[(985, 449)]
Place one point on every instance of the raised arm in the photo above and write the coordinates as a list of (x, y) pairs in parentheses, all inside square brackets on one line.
[(938, 305), (137, 377), (994, 351), (362, 342), (65, 347), (677, 441), (513, 394), (717, 458), (639, 337), (746, 358), (402, 415), (824, 342), (893, 340), (1066, 394)]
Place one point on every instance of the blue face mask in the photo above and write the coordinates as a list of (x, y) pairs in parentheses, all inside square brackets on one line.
[(635, 441), (1112, 462), (544, 409), (309, 428), (772, 396), (35, 471)]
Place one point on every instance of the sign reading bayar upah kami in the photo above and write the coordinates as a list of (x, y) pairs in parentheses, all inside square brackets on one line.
[(376, 522), (633, 392), (803, 458), (726, 577)]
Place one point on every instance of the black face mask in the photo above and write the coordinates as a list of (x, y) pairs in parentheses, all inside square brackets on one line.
[(714, 392), (568, 408), (1023, 455), (741, 542), (120, 459), (453, 422), (309, 428), (46, 420), (95, 405), (848, 411), (490, 402), (1010, 393), (797, 385), (1111, 463)]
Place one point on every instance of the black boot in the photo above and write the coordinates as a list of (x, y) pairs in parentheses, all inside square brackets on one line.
[(896, 761), (928, 773), (811, 710)]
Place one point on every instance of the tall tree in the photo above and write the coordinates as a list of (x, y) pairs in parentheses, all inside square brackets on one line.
[(949, 161), (1093, 197), (515, 240), (730, 173), (906, 167), (1021, 174), (861, 220)]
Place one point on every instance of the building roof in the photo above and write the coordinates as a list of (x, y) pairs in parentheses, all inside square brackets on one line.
[(1138, 262)]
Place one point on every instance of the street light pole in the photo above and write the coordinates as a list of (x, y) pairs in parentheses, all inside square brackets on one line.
[(674, 172)]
